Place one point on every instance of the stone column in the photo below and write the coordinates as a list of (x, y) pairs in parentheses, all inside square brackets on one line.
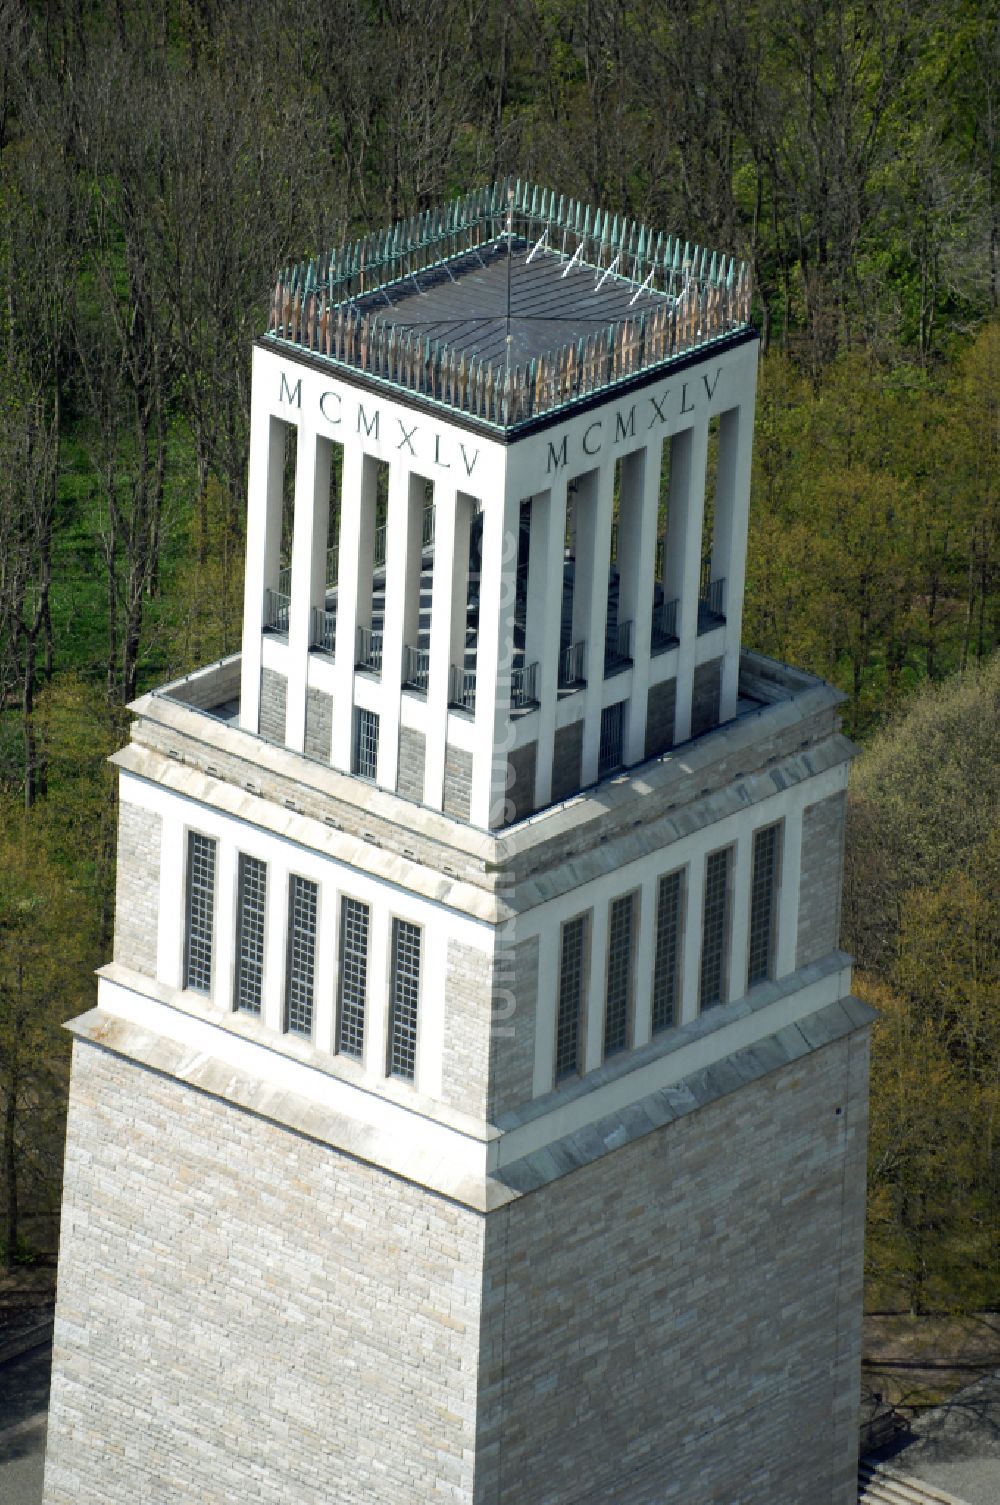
[(687, 484), (638, 497), (694, 903), (402, 538), (377, 1001), (272, 1007), (349, 578), (645, 946), (267, 463), (448, 601), (546, 566), (732, 521), (497, 590), (593, 563), (312, 499), (597, 986), (547, 1008), (789, 882), (740, 864)]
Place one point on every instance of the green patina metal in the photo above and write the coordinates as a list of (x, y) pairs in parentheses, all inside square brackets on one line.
[(690, 297)]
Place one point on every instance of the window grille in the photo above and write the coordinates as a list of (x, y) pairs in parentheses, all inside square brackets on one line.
[(354, 918), (251, 903), (302, 903), (612, 724), (571, 961), (405, 994), (366, 744), (763, 885), (715, 917), (619, 992), (200, 912), (665, 963)]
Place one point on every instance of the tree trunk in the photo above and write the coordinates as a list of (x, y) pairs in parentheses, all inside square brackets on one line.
[(10, 1237)]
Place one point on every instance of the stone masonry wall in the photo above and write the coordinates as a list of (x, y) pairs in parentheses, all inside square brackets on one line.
[(319, 724), (567, 761), (273, 705), (137, 890), (245, 1314), (705, 697), (679, 1323), (412, 753), (515, 1007), (457, 782), (468, 993), (822, 878), (521, 780), (660, 717)]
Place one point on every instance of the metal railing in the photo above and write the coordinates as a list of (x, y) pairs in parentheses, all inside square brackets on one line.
[(658, 561), (571, 666), (427, 529), (276, 604), (711, 599), (618, 648), (416, 668), (687, 297), (332, 566), (462, 689), (324, 630), (522, 686), (369, 651), (285, 580), (663, 633), (381, 534)]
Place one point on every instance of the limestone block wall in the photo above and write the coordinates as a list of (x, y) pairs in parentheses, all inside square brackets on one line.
[(273, 703), (319, 724), (521, 766), (515, 1003), (465, 1067), (705, 697), (822, 878), (245, 1314), (137, 890), (412, 754), (680, 1321), (457, 782), (661, 706), (567, 761)]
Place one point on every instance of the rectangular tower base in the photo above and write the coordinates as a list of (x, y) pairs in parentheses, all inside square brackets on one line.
[(664, 1310)]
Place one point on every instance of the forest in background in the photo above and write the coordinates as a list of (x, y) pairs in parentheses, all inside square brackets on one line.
[(159, 161)]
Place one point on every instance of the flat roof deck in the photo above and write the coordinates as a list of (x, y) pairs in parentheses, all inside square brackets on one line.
[(475, 302), (510, 305)]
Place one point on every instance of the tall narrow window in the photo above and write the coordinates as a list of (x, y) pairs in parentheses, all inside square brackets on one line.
[(715, 920), (301, 973), (618, 1007), (366, 743), (251, 902), (667, 955), (763, 889), (571, 989), (405, 992), (200, 912), (353, 977), (612, 738)]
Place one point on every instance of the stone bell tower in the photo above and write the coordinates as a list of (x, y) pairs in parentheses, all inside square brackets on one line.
[(474, 1109)]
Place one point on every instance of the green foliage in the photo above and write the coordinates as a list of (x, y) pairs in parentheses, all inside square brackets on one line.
[(922, 910), (875, 524)]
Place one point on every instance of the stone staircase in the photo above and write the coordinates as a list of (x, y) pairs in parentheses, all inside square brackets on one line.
[(878, 1484)]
